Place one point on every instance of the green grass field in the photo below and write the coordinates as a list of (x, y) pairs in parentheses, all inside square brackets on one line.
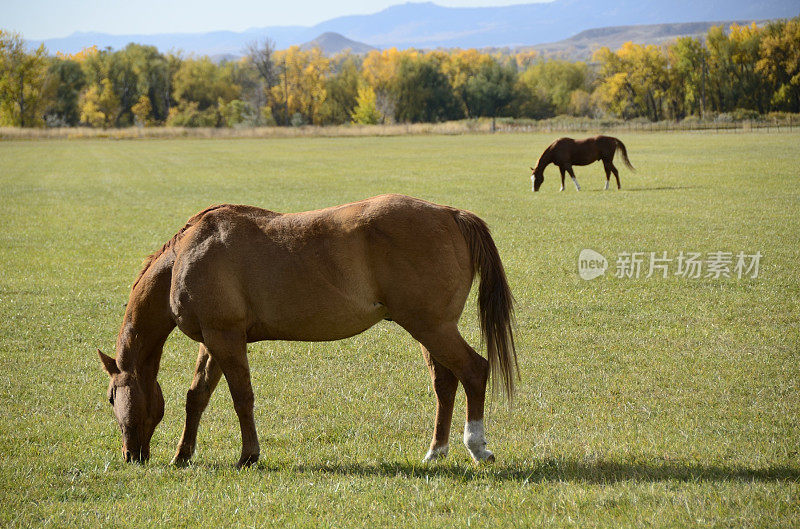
[(644, 402)]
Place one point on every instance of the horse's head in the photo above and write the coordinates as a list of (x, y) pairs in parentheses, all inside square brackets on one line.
[(537, 178), (138, 408)]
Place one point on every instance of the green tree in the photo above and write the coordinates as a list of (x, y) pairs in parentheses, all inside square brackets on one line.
[(687, 62), (22, 78), (341, 91), (490, 90), (235, 112), (203, 82), (152, 73), (545, 89), (198, 87), (65, 80), (423, 91)]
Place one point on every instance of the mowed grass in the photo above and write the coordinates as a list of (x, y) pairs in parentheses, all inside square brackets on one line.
[(643, 402)]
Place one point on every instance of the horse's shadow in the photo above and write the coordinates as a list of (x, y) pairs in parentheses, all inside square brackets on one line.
[(552, 469), (659, 188)]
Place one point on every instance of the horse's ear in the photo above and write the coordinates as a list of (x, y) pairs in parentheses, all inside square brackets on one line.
[(109, 364)]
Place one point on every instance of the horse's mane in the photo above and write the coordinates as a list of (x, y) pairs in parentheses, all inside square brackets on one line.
[(543, 160), (150, 259)]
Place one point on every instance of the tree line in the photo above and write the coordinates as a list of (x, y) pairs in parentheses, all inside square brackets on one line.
[(741, 69)]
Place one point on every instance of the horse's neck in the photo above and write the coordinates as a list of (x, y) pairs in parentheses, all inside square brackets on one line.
[(544, 160), (147, 323)]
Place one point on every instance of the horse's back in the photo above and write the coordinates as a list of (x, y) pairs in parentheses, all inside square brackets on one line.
[(568, 151), (316, 275)]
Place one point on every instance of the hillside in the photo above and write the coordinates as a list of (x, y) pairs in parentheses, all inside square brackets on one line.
[(332, 43), (582, 46)]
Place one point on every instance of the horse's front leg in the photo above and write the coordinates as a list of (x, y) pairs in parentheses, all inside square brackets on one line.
[(572, 175), (229, 350), (562, 178), (206, 376)]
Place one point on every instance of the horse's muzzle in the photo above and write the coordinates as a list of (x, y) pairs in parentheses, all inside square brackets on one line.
[(136, 456)]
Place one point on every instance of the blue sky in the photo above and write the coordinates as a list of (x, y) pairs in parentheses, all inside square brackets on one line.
[(41, 19)]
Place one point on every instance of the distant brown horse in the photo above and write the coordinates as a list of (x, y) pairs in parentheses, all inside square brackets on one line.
[(239, 274), (566, 152)]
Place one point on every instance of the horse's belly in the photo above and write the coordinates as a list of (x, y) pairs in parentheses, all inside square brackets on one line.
[(315, 323)]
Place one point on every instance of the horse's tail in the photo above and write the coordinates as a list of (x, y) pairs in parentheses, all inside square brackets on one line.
[(624, 152), (495, 302)]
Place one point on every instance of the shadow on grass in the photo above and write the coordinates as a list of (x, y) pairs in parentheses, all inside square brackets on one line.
[(554, 470), (659, 188)]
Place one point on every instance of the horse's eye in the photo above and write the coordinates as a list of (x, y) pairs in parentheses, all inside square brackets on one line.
[(111, 396)]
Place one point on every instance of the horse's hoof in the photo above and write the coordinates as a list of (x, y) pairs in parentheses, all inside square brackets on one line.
[(434, 454), (179, 462), (482, 457), (247, 461)]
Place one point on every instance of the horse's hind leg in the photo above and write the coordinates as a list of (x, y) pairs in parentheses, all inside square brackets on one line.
[(206, 376), (229, 350), (616, 175), (607, 165), (445, 385), (448, 348)]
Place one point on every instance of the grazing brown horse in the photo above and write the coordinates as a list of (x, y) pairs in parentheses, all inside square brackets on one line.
[(237, 274), (566, 152)]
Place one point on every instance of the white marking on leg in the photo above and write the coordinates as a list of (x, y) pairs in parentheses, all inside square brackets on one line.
[(562, 187), (475, 441), (440, 452), (606, 185), (576, 183)]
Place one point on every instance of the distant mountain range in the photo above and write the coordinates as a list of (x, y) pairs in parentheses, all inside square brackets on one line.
[(427, 25), (583, 45)]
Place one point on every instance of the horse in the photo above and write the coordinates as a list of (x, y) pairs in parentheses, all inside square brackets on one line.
[(566, 152), (237, 274)]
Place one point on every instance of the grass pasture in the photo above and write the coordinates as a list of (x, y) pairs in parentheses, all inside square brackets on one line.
[(655, 401)]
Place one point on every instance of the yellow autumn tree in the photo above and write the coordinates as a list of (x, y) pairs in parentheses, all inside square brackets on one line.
[(80, 56), (100, 105), (779, 62), (633, 80), (366, 112), (300, 91), (141, 110), (380, 72)]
